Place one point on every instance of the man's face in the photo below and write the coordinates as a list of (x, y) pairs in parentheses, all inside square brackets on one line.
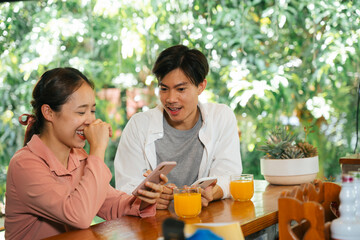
[(179, 96)]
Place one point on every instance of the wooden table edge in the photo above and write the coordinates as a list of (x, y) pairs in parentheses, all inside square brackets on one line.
[(349, 161), (259, 223)]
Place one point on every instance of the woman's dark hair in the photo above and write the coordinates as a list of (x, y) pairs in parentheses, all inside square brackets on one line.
[(54, 89), (191, 61)]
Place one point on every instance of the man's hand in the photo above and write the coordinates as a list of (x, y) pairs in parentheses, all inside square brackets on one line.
[(211, 193), (206, 196)]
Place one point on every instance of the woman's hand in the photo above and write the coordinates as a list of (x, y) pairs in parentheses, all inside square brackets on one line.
[(97, 134), (152, 196), (167, 193), (166, 196)]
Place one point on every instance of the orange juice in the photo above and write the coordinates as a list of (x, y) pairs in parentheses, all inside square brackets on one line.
[(242, 190), (187, 205), (243, 209)]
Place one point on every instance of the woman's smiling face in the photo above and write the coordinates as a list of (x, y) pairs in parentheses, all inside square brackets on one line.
[(179, 97), (75, 114)]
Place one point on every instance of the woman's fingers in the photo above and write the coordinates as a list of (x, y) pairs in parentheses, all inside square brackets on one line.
[(156, 187), (147, 200), (153, 196), (97, 135), (96, 121), (163, 178), (163, 202), (110, 130), (167, 190), (147, 173), (161, 206), (98, 129), (149, 197)]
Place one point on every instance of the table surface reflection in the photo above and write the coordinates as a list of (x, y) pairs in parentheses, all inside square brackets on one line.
[(253, 216)]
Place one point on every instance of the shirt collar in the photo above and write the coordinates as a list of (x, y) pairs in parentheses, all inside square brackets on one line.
[(38, 147), (203, 111)]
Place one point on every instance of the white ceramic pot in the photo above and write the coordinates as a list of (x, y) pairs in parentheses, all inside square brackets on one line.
[(289, 171)]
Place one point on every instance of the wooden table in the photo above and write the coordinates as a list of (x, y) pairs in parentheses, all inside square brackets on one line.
[(255, 215), (350, 163)]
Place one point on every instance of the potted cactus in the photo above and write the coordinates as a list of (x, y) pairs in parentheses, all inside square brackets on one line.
[(287, 160)]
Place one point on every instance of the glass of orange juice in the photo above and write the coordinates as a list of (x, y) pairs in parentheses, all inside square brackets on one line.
[(242, 187), (187, 202)]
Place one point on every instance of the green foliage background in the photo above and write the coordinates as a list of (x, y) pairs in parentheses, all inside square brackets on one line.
[(275, 62)]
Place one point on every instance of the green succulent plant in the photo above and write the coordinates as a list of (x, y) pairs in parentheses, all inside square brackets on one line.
[(282, 144)]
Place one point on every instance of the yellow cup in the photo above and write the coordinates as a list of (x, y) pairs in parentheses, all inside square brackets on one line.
[(242, 187), (187, 202)]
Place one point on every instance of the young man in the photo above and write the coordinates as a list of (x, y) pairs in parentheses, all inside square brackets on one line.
[(202, 138)]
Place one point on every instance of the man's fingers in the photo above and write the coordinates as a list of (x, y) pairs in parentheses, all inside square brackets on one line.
[(206, 195), (171, 185), (204, 202), (213, 184)]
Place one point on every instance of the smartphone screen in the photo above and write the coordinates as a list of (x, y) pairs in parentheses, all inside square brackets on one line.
[(204, 182)]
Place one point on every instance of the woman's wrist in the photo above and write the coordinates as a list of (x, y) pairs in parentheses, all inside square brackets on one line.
[(98, 152)]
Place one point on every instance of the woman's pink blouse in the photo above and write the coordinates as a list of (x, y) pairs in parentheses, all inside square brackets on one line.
[(44, 198)]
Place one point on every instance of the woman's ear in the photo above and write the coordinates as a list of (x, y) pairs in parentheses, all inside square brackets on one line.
[(47, 112), (202, 86)]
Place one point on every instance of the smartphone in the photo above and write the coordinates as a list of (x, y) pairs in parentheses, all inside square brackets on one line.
[(204, 182), (154, 176)]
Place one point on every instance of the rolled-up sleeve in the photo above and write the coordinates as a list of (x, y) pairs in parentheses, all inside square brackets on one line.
[(119, 203)]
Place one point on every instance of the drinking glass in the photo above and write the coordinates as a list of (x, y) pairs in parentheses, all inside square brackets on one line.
[(242, 187), (187, 202)]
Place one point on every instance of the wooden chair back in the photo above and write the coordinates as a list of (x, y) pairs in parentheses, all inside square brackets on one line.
[(308, 205)]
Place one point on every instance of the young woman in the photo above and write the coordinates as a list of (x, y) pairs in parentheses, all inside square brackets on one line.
[(53, 185)]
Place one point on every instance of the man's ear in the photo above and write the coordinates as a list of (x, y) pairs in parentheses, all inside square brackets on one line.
[(202, 86), (47, 112)]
